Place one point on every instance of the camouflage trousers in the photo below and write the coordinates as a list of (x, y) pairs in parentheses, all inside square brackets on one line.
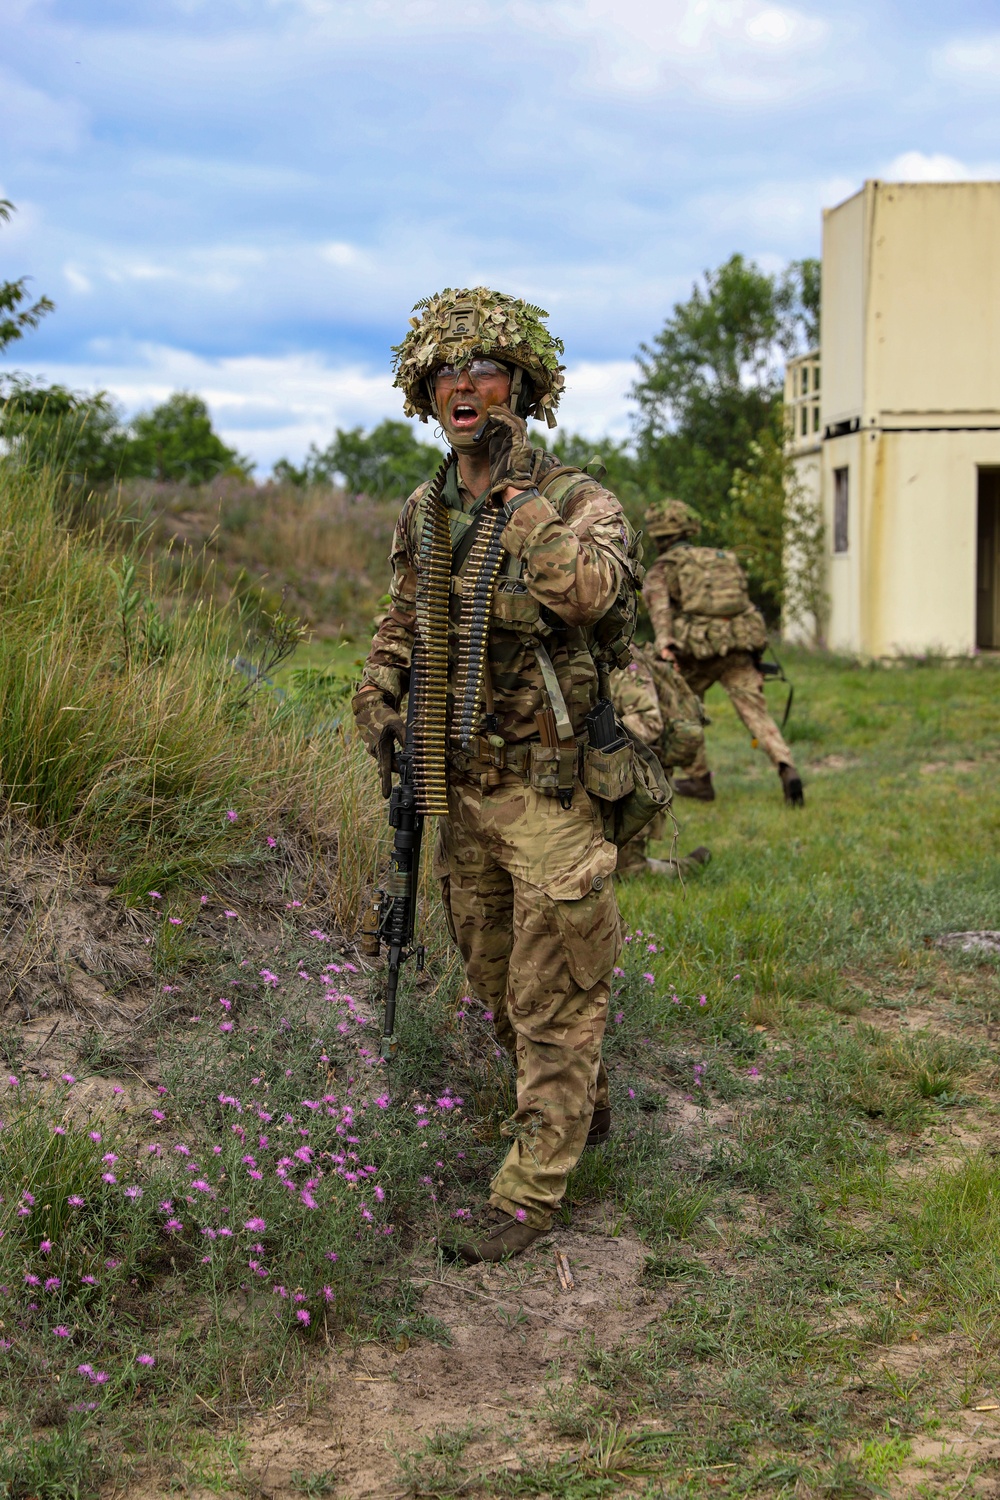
[(632, 856), (738, 674), (529, 900)]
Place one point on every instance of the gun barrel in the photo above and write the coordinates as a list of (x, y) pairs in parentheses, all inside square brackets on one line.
[(388, 1047)]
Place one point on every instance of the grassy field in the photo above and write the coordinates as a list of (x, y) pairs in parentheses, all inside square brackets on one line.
[(847, 1072), (223, 1223)]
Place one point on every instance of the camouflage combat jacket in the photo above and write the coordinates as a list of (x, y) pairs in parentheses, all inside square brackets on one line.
[(636, 700), (570, 557), (652, 700)]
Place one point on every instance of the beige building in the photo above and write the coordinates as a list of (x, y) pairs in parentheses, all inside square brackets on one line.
[(895, 421)]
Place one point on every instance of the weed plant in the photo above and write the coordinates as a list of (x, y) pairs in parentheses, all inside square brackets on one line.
[(261, 1204)]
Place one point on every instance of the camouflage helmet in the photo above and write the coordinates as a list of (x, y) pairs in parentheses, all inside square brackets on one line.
[(458, 323), (669, 520)]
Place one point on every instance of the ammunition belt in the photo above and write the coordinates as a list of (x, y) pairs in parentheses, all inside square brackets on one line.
[(431, 650)]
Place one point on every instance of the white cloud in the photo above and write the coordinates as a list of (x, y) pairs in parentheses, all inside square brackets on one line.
[(973, 57), (340, 254), (77, 280), (596, 401), (740, 51), (268, 407), (778, 213), (936, 166), (274, 407)]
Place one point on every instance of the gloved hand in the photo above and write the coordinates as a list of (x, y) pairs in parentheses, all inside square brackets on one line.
[(381, 728), (510, 450)]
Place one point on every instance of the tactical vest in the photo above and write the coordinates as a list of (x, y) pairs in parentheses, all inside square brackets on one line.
[(466, 580)]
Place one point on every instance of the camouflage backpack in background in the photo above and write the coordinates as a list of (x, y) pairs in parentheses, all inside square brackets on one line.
[(712, 610), (709, 581), (684, 717)]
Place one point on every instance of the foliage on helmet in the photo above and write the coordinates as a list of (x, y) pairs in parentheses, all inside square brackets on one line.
[(671, 519), (460, 322)]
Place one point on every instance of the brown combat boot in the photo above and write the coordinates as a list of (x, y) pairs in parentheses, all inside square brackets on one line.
[(689, 864), (791, 785), (699, 787), (600, 1128), (492, 1235)]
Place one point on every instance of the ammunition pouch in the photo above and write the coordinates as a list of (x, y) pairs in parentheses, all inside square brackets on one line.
[(552, 769), (650, 794), (608, 774)]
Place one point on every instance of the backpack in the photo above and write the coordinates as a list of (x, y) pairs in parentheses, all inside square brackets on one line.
[(709, 581), (684, 718)]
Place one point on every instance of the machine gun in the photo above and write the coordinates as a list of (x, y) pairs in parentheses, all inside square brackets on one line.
[(776, 671), (392, 914)]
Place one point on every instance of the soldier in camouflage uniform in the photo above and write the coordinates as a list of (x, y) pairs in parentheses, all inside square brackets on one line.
[(525, 874), (722, 646), (653, 701)]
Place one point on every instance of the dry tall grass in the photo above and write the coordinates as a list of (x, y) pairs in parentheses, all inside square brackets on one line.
[(140, 752), (320, 551)]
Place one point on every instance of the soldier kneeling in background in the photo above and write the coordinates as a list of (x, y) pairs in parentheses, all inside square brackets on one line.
[(703, 620), (654, 702)]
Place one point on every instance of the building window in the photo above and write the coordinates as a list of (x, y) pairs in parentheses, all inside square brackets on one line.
[(840, 500)]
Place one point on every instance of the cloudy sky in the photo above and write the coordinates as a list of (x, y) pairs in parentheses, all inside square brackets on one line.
[(245, 197)]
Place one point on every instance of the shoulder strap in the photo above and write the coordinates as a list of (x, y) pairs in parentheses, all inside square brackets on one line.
[(461, 545)]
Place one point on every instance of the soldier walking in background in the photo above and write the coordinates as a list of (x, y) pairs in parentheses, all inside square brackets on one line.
[(703, 620), (505, 569), (655, 704)]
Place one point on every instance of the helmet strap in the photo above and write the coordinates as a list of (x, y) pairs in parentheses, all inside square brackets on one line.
[(516, 383)]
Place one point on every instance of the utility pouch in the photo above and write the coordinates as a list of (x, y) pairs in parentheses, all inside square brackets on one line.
[(552, 768), (650, 794), (608, 773), (513, 606)]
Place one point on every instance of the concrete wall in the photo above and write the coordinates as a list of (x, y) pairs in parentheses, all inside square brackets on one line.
[(807, 468), (933, 325), (922, 586), (910, 341), (842, 334)]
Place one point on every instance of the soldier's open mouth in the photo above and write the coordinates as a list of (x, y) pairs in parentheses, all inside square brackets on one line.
[(464, 415)]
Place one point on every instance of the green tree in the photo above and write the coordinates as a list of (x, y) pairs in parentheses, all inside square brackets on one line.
[(777, 529), (800, 287), (16, 317), (385, 463), (81, 436), (176, 441), (754, 523), (711, 380)]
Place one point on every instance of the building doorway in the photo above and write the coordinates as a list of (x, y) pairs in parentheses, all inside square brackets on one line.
[(988, 561)]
